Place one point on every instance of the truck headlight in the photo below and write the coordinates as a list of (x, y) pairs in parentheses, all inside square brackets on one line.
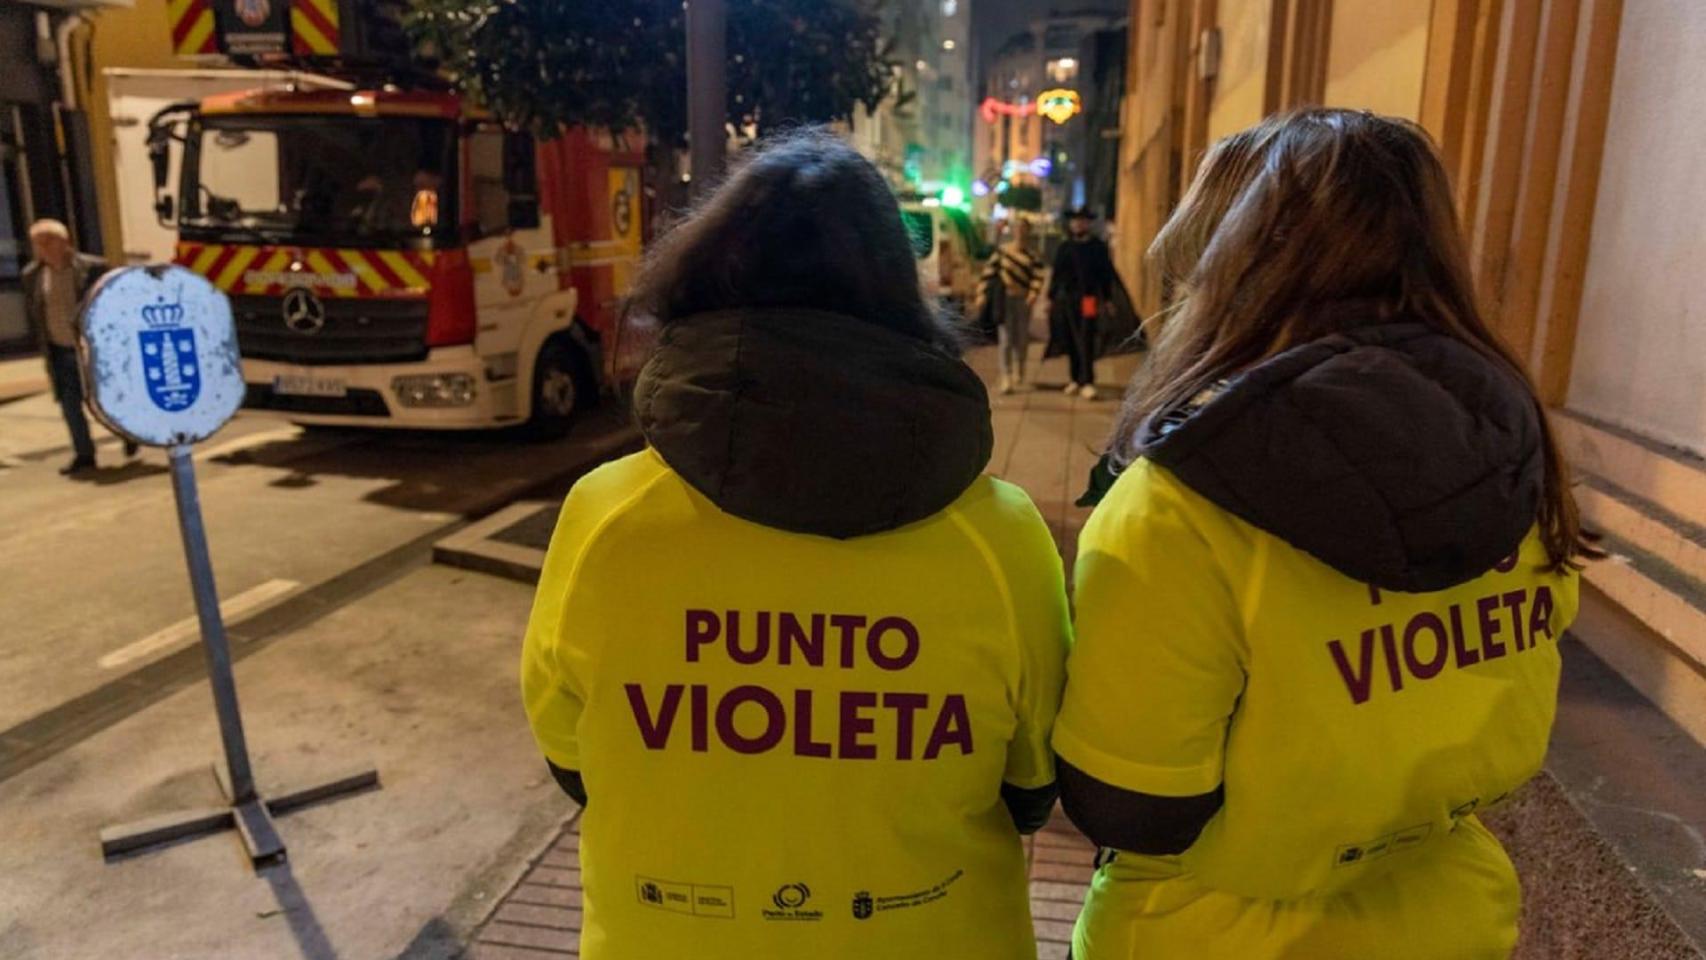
[(434, 390)]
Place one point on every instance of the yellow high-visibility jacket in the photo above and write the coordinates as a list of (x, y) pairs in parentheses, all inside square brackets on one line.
[(1320, 590), (794, 743)]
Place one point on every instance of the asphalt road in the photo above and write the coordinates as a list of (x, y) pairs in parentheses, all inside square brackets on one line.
[(92, 576)]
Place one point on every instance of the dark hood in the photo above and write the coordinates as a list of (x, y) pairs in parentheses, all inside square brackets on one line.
[(814, 422), (1400, 457)]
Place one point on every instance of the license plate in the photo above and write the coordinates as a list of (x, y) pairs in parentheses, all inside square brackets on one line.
[(303, 386)]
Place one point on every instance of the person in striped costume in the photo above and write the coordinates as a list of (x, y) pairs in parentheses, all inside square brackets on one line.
[(1012, 281)]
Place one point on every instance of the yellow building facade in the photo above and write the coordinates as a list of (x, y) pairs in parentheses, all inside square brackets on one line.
[(135, 37)]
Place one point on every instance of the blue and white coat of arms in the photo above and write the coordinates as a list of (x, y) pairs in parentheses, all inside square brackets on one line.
[(169, 359), (190, 378)]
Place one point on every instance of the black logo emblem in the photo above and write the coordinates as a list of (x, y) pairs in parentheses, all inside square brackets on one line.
[(791, 896), (863, 905), (302, 311), (651, 893)]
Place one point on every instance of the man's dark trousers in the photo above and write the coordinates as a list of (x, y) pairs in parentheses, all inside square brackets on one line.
[(1081, 349), (68, 390)]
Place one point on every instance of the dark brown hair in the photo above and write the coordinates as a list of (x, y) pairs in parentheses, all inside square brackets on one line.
[(804, 222), (1299, 211)]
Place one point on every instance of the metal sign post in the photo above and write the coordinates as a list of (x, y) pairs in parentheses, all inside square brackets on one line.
[(160, 358)]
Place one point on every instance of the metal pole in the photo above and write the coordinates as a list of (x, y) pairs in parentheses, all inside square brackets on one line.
[(707, 90), (213, 643)]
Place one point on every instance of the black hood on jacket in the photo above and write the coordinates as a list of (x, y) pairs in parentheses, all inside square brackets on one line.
[(1399, 456), (814, 422)]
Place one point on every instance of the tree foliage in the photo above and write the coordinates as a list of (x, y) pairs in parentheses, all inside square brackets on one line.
[(546, 64)]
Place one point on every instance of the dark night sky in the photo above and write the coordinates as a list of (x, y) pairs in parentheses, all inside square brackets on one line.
[(999, 19), (996, 20)]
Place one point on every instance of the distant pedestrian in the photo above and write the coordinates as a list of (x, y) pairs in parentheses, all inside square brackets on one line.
[(800, 657), (1319, 610), (1011, 283), (1081, 287), (55, 283)]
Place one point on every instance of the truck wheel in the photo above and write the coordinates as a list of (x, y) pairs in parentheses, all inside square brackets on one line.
[(557, 390)]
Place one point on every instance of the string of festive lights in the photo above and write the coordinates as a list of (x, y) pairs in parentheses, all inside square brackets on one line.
[(1059, 105)]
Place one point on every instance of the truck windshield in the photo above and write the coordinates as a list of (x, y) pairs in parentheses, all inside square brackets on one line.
[(320, 179)]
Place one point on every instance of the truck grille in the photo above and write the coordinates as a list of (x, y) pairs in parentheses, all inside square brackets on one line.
[(355, 331)]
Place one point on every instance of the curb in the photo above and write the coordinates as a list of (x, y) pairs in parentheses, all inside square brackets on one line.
[(476, 547), (19, 389)]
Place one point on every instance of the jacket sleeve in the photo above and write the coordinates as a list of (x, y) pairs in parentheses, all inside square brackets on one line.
[(33, 315), (1158, 663), (552, 695), (1030, 809), (553, 681), (1110, 277), (1037, 589), (569, 781), (1057, 273), (989, 280), (90, 271), (560, 655)]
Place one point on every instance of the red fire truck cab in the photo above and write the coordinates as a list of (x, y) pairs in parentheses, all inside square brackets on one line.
[(395, 257)]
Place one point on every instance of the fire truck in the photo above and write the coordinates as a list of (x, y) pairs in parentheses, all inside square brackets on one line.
[(394, 256)]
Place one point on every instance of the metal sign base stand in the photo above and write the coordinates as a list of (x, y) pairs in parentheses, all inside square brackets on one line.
[(247, 811)]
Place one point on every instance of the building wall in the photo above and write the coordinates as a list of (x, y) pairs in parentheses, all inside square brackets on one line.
[(1241, 85), (136, 37), (1377, 55), (947, 127), (23, 80), (1640, 358), (1149, 141)]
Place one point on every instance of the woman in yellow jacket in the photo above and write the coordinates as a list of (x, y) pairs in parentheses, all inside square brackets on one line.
[(799, 658), (1318, 610)]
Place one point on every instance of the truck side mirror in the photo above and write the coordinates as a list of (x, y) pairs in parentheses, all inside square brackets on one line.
[(160, 156), (164, 208)]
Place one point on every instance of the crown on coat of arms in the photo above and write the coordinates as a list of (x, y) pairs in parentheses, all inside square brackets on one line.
[(163, 314)]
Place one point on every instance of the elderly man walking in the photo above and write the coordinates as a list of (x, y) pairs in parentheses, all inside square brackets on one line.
[(55, 283)]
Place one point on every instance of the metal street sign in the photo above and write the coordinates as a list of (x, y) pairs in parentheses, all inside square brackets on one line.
[(161, 366), (160, 355)]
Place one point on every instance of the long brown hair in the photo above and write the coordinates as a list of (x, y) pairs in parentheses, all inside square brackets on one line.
[(1303, 210)]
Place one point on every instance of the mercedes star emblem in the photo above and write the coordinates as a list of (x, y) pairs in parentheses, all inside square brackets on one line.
[(303, 312)]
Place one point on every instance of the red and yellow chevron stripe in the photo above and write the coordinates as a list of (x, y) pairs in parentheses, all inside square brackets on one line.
[(192, 28), (271, 270), (314, 27)]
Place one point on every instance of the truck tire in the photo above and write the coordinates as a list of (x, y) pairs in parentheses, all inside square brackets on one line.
[(559, 389)]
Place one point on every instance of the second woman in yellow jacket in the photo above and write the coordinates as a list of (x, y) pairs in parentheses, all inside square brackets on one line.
[(1318, 611)]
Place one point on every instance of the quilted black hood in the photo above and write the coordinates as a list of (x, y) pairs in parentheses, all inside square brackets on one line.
[(1399, 456), (814, 422)]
